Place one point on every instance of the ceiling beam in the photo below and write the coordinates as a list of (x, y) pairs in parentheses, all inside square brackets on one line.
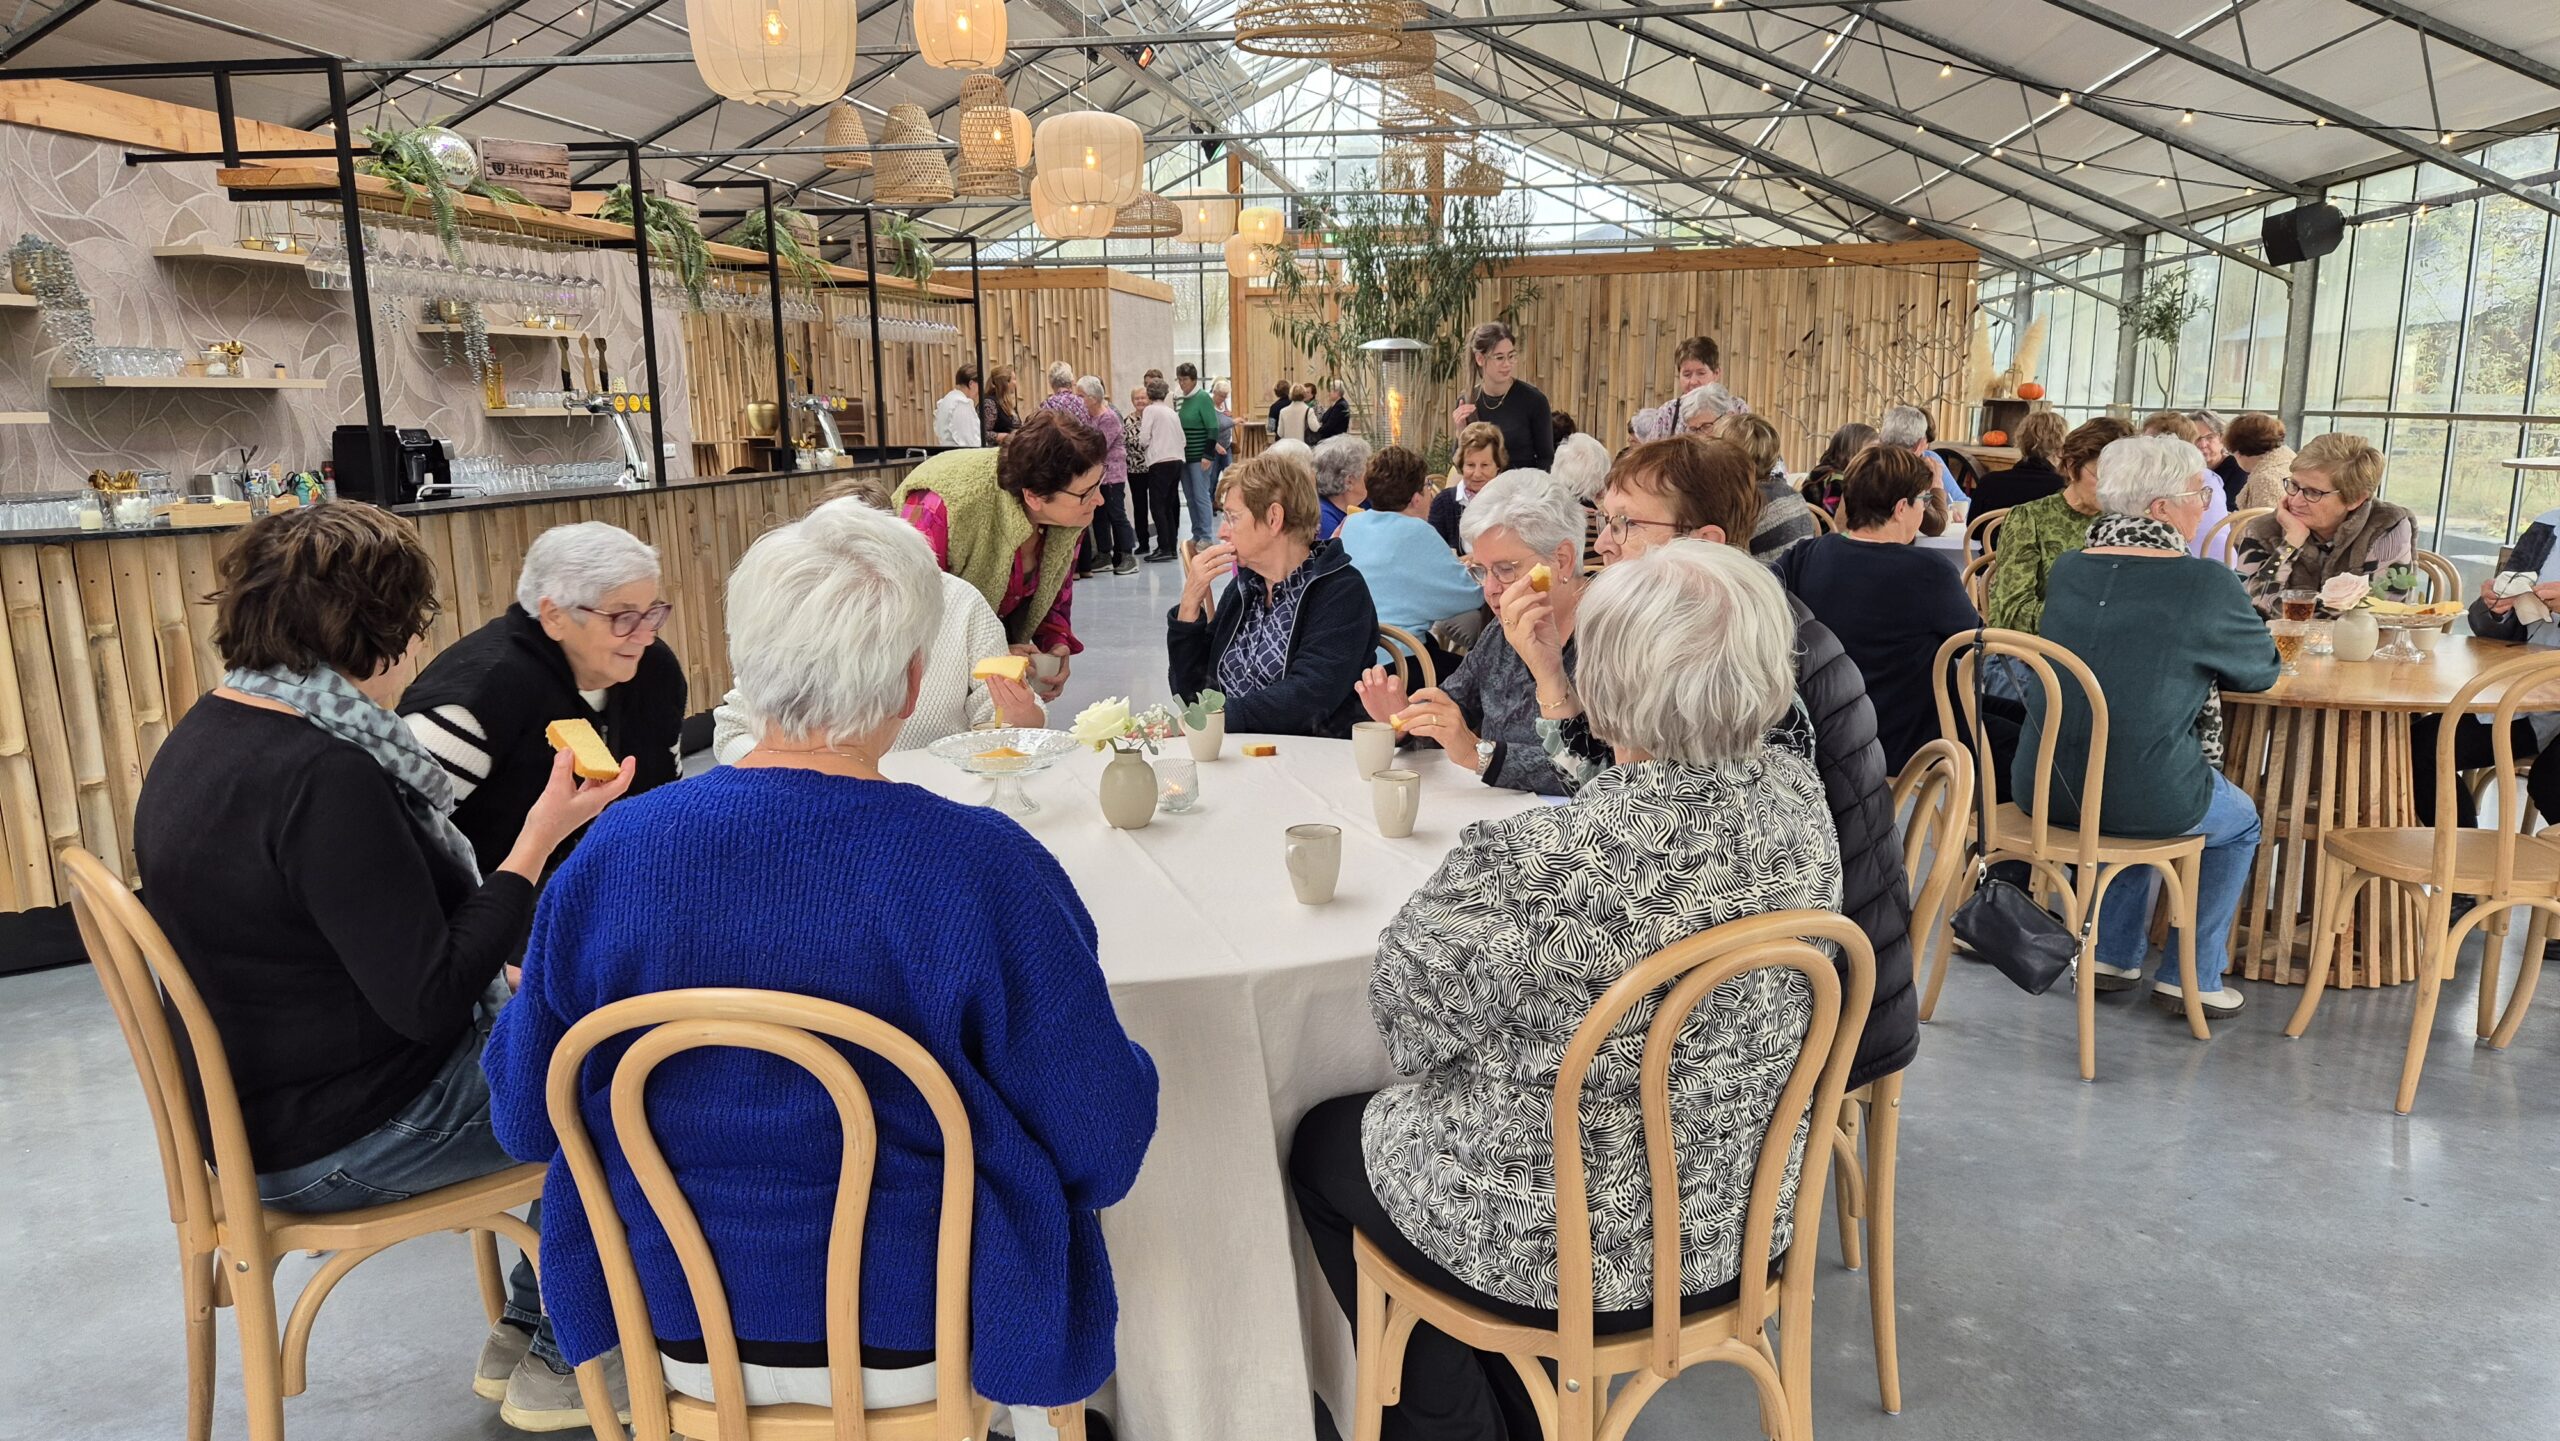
[(2505, 57), (486, 18), (2298, 97), (579, 46), (17, 42)]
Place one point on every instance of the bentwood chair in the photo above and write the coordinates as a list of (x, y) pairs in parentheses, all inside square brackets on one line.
[(1407, 651), (2443, 582), (2076, 866), (797, 1029), (1575, 1404), (1976, 579), (228, 1241), (1982, 533), (1937, 785), (2222, 543), (2501, 867), (1823, 521)]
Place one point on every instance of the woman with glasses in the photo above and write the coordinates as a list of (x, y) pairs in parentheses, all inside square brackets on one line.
[(1485, 715), (1008, 522), (2331, 522), (1286, 639), (581, 642), (1513, 406)]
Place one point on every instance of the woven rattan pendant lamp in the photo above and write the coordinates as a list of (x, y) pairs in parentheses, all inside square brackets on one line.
[(1062, 217), (1092, 158), (845, 127), (1319, 29), (773, 52), (1414, 55), (1436, 116), (960, 34), (910, 177), (1207, 219), (987, 167), (1152, 218), (1246, 260)]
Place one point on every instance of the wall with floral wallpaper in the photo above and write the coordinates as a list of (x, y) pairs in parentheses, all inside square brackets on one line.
[(110, 215)]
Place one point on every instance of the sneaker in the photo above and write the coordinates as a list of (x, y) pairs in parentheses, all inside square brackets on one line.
[(1125, 565), (541, 1399), (2217, 1004), (1158, 557), (499, 1357), (2115, 978)]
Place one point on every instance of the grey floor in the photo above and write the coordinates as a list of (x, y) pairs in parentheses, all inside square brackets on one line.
[(2235, 1239)]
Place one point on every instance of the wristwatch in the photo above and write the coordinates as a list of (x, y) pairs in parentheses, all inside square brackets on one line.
[(1485, 752)]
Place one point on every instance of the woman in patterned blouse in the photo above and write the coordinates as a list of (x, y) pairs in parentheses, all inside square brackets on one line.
[(1486, 973), (2332, 521), (1287, 640)]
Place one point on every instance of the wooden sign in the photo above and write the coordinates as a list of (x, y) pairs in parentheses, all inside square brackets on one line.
[(536, 171)]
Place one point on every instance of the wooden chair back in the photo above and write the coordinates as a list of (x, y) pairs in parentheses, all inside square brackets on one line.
[(1981, 533), (796, 1029), (1693, 969), (206, 1165), (1823, 521), (1937, 785), (2222, 542), (2049, 664), (1977, 582), (2443, 582), (1411, 659), (2527, 683)]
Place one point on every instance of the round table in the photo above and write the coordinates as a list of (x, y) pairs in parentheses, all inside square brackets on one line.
[(2330, 747), (1254, 1008)]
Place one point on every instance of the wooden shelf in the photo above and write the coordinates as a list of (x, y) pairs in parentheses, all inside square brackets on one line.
[(530, 332), (178, 382), (12, 300), (25, 417), (228, 254), (532, 412)]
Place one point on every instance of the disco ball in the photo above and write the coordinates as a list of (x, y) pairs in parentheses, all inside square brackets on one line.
[(453, 155)]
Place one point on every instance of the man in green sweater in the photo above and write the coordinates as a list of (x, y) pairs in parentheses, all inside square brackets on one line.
[(1199, 415)]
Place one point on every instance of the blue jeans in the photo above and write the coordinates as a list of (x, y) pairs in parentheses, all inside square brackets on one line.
[(1200, 492), (2230, 830), (440, 1139)]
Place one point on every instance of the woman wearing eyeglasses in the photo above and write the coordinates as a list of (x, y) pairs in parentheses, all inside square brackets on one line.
[(2331, 522), (1513, 406), (1286, 638), (580, 643)]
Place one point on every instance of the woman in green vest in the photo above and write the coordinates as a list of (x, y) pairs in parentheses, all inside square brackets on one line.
[(1007, 521)]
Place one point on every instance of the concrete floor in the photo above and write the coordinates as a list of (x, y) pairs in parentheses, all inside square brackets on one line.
[(2235, 1239)]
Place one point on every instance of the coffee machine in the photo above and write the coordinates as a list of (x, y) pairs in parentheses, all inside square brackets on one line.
[(417, 461)]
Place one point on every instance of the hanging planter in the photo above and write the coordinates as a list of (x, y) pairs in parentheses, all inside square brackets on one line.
[(903, 240), (774, 52), (789, 241), (675, 238)]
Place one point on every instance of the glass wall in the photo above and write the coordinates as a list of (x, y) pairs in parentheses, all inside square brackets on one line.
[(2078, 366)]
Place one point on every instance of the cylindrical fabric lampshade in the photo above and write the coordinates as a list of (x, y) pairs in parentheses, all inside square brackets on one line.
[(1021, 140), (910, 177), (845, 127), (1098, 159), (774, 52), (1152, 218), (1416, 52), (1245, 260), (1319, 29), (1062, 217), (1207, 219), (1262, 225), (960, 34)]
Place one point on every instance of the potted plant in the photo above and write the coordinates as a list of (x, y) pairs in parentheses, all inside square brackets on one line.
[(432, 162), (675, 237), (787, 242), (1204, 722), (1129, 782), (2159, 313), (903, 240)]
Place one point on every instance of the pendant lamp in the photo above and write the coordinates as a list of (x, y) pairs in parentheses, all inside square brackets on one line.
[(960, 34), (845, 127), (1415, 54), (1207, 219), (1021, 140), (1152, 218), (1096, 159), (774, 52), (1319, 29), (1262, 225), (910, 177), (1062, 217), (1246, 260)]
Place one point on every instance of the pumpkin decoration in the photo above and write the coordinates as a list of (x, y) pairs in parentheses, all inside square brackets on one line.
[(1995, 437), (2031, 391)]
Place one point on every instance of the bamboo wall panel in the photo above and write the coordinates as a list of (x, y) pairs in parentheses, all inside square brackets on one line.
[(1811, 347), (108, 642)]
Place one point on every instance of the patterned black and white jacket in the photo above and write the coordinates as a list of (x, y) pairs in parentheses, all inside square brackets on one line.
[(1487, 971)]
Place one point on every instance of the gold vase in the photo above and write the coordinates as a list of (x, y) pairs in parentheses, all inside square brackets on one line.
[(22, 277), (762, 417)]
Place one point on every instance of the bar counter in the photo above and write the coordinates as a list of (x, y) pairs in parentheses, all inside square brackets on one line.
[(110, 636)]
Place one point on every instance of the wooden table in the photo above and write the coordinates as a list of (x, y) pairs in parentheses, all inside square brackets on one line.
[(2330, 747)]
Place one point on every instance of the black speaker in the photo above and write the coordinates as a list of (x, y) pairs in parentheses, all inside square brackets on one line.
[(2306, 233)]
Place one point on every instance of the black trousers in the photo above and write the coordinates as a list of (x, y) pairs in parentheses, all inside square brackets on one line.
[(1163, 502), (1110, 534), (2474, 748), (1451, 1392)]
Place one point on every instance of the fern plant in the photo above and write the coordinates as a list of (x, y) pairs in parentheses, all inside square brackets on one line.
[(402, 157), (909, 259), (675, 238), (783, 242)]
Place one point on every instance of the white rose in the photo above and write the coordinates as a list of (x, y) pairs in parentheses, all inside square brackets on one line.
[(1102, 722), (2344, 592)]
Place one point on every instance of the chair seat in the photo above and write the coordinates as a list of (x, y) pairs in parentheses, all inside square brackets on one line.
[(444, 1209), (2013, 829), (2408, 853), (699, 1420)]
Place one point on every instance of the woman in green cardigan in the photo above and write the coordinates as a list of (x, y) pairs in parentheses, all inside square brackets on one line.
[(1007, 521)]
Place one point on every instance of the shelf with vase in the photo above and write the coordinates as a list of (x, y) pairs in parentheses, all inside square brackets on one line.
[(179, 382)]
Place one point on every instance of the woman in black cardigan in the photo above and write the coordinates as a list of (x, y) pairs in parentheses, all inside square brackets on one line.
[(1287, 641), (297, 847), (580, 643), (1515, 407)]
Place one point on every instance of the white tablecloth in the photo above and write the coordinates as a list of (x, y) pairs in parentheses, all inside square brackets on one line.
[(1255, 1008)]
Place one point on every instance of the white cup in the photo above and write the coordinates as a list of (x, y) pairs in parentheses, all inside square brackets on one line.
[(1315, 862), (1397, 797), (1045, 666), (1373, 747), (1207, 740)]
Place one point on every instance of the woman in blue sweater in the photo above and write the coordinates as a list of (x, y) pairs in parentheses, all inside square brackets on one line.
[(801, 869)]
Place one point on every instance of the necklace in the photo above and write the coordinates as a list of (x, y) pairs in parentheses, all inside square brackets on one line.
[(1490, 403)]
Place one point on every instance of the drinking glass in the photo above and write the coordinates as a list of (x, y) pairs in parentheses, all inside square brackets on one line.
[(2288, 637), (2299, 605), (1178, 779)]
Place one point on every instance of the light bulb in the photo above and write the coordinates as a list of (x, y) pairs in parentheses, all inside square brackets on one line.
[(1091, 161), (1945, 71), (960, 21), (775, 32)]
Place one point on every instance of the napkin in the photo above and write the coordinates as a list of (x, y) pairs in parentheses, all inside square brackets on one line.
[(2518, 585)]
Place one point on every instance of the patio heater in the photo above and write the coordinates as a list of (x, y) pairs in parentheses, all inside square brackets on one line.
[(1397, 384)]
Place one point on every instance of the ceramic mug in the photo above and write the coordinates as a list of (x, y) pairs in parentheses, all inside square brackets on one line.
[(1315, 862), (1397, 797), (1205, 741), (1373, 747)]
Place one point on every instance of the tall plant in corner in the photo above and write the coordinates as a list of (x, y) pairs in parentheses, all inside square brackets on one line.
[(2159, 313)]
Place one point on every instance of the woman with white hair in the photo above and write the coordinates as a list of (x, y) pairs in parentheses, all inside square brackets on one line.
[(960, 927), (2165, 633), (1484, 976), (1485, 715), (1111, 543), (1582, 463), (580, 643), (1340, 463), (1335, 419)]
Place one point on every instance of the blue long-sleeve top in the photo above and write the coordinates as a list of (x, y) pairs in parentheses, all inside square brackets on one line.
[(948, 922), (1413, 579)]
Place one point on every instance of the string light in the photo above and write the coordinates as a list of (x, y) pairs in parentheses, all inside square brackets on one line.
[(1995, 152), (2163, 180), (2319, 121), (1946, 72), (1829, 40), (2066, 98), (2186, 117)]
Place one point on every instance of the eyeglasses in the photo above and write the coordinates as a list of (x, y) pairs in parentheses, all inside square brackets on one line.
[(2295, 487), (626, 622), (1619, 525), (1504, 572), (1501, 357), (1088, 493)]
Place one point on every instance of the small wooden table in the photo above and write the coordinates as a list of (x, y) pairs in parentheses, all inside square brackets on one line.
[(2331, 747)]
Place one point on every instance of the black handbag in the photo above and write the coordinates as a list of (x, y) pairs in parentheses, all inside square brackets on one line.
[(2002, 923)]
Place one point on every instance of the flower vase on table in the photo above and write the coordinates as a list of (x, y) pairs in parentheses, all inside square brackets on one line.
[(1128, 788), (2354, 635), (1204, 725)]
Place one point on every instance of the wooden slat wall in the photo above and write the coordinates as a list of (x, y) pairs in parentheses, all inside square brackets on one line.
[(1032, 329), (1810, 346), (108, 642)]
